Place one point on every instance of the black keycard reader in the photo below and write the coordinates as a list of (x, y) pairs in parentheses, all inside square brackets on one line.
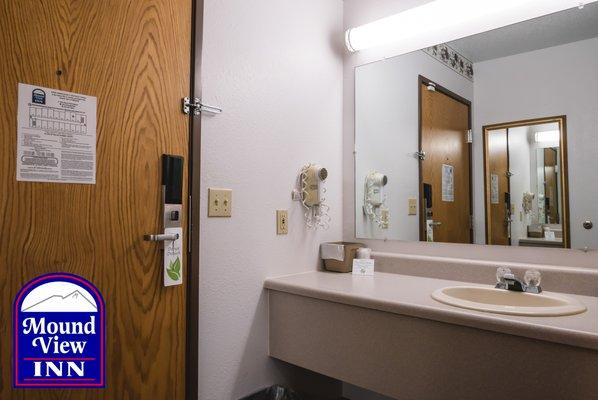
[(172, 179)]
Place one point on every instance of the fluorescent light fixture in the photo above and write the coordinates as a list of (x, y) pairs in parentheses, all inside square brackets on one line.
[(441, 21), (548, 136)]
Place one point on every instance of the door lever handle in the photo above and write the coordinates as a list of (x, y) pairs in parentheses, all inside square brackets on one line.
[(161, 237)]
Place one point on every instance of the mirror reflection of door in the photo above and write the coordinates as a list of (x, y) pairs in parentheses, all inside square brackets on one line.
[(445, 167), (526, 183), (498, 168), (551, 192)]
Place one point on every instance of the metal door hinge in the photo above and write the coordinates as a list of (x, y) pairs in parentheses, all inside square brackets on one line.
[(469, 136), (420, 154), (471, 222), (197, 107)]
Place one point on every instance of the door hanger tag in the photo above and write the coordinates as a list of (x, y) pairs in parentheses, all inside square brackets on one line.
[(173, 258), (429, 230)]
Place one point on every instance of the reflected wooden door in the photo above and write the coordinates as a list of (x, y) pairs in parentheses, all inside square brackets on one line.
[(134, 56), (444, 123), (551, 194), (497, 187)]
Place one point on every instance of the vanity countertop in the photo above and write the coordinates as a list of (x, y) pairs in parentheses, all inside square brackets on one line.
[(411, 296)]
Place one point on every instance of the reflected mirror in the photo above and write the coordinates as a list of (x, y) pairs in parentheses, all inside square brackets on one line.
[(488, 139), (524, 183)]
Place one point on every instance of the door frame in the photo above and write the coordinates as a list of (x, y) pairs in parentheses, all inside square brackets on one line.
[(422, 80), (508, 180), (487, 181), (564, 195), (192, 318)]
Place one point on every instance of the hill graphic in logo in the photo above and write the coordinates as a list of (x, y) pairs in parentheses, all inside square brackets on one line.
[(59, 333), (72, 302)]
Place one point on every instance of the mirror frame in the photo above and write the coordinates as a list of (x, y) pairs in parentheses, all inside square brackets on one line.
[(563, 196)]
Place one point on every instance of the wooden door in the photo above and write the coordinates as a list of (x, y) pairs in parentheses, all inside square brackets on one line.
[(134, 56), (444, 125), (551, 193), (497, 186)]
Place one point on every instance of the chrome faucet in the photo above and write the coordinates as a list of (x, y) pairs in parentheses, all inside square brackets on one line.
[(508, 281)]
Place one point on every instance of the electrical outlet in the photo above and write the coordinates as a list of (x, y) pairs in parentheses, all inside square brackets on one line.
[(412, 206), (282, 222), (220, 202)]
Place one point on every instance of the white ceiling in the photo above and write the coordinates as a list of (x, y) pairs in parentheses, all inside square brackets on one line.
[(551, 30)]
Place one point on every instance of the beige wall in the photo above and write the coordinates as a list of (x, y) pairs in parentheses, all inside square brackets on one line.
[(275, 67)]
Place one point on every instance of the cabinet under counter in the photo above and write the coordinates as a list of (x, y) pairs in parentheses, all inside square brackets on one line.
[(386, 334)]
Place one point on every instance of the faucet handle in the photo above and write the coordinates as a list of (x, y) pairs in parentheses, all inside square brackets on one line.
[(532, 278), (502, 273)]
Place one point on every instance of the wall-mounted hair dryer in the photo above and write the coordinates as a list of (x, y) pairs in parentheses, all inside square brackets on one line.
[(310, 192), (374, 199)]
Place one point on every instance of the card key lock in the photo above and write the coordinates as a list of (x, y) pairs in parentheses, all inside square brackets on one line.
[(172, 205), (172, 190)]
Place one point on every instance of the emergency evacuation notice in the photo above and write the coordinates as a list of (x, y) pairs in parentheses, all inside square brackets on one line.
[(56, 136)]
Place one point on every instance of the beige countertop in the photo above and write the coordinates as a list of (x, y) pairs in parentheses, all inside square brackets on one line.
[(411, 296)]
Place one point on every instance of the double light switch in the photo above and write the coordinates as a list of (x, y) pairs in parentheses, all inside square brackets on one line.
[(220, 202)]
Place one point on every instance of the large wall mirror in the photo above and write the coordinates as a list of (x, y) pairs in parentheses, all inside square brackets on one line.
[(489, 139)]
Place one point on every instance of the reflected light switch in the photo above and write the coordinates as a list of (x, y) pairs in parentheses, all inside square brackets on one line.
[(412, 206)]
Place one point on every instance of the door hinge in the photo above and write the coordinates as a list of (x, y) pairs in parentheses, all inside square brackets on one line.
[(471, 222), (469, 136), (198, 107), (420, 154)]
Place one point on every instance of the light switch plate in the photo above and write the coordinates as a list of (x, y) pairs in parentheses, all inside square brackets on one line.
[(220, 202), (282, 222), (412, 206)]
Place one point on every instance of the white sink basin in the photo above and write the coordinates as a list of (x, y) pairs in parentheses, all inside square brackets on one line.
[(503, 301)]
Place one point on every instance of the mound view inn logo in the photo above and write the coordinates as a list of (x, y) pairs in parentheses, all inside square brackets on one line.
[(59, 333)]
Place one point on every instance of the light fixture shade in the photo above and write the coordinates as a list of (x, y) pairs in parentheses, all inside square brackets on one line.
[(548, 137), (441, 21)]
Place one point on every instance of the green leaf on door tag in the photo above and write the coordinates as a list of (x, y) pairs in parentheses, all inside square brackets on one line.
[(173, 270), (173, 275)]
